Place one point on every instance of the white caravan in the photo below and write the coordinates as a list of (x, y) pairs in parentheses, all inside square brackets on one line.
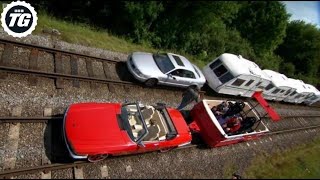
[(301, 92), (313, 97), (235, 75), (279, 88)]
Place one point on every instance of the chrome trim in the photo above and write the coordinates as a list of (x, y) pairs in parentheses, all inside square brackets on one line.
[(184, 144), (72, 154)]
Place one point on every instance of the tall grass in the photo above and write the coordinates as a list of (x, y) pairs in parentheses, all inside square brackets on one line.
[(300, 162), (84, 34)]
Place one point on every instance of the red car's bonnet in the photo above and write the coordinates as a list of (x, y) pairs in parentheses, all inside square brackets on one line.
[(93, 128)]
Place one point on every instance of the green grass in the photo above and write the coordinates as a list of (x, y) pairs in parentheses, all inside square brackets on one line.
[(86, 35), (300, 162)]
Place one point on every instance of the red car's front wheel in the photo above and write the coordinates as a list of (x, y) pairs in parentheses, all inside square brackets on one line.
[(97, 157)]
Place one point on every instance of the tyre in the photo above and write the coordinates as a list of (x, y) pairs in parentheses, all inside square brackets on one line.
[(97, 158), (195, 87), (151, 82)]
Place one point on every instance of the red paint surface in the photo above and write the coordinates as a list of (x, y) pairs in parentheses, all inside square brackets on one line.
[(209, 131), (272, 113), (92, 128)]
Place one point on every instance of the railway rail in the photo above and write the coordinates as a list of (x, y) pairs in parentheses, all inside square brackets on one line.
[(40, 119), (60, 74), (53, 50), (59, 166)]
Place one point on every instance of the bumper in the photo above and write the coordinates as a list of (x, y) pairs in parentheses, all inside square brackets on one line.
[(72, 154), (138, 77)]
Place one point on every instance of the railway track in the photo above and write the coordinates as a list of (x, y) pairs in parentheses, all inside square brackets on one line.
[(67, 66), (60, 73), (46, 119), (74, 66), (78, 164), (53, 50)]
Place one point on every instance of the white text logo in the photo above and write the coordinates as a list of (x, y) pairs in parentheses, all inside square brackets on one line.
[(19, 19)]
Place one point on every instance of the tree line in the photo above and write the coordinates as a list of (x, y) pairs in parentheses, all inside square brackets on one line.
[(258, 30)]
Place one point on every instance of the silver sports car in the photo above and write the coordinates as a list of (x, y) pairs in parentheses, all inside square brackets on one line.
[(167, 69)]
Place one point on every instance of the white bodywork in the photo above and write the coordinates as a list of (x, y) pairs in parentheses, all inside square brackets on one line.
[(301, 92), (279, 89), (234, 75), (313, 97)]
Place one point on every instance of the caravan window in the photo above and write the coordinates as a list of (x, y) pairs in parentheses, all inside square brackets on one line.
[(258, 83), (249, 82), (313, 98), (293, 93), (220, 71), (226, 77), (238, 82), (269, 86), (275, 91), (287, 92), (215, 64)]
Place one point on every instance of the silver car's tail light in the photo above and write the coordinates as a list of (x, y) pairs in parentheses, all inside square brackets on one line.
[(134, 67)]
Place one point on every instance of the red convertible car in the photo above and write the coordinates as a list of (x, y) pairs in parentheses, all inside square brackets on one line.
[(95, 130)]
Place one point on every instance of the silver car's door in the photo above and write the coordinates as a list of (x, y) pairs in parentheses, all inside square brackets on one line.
[(189, 77), (174, 78), (181, 77), (163, 78)]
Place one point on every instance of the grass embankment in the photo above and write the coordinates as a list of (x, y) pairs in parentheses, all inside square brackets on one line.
[(297, 163), (84, 34)]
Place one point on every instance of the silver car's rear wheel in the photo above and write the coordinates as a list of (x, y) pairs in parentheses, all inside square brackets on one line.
[(98, 157), (151, 82)]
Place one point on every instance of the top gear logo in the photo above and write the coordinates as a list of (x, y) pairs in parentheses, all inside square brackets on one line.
[(19, 19)]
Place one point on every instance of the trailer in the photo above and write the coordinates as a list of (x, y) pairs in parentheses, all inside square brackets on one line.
[(206, 124)]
